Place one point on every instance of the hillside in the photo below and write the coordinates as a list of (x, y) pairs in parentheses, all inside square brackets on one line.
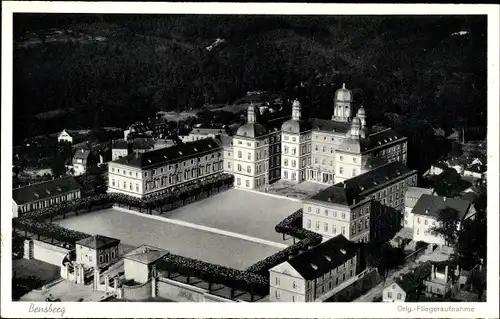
[(412, 66)]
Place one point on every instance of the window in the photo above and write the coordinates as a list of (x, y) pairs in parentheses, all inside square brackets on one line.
[(100, 259), (228, 164), (418, 220), (309, 208), (324, 149), (238, 181), (137, 187), (343, 230), (341, 158), (247, 183), (239, 154), (294, 163), (285, 162), (113, 182), (286, 137), (317, 225), (249, 169), (389, 294), (425, 221), (326, 212), (326, 227), (418, 231), (341, 170), (354, 172), (294, 285), (277, 294), (354, 159), (294, 138), (343, 215), (249, 156), (308, 224), (399, 296), (239, 167), (278, 281), (334, 229), (316, 148)]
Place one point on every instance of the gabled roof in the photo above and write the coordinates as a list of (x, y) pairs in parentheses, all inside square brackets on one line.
[(98, 242), (358, 187), (429, 205), (81, 154), (170, 154), (65, 131), (406, 284), (146, 254), (47, 189), (324, 257)]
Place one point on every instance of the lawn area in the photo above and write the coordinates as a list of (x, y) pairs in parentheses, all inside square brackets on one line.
[(25, 268), (239, 211), (181, 240)]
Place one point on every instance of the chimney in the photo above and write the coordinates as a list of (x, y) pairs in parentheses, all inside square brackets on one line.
[(401, 277), (444, 198), (446, 273)]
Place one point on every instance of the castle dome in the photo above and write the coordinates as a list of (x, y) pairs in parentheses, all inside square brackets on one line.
[(361, 112), (294, 126), (251, 130), (356, 122), (296, 103), (343, 94)]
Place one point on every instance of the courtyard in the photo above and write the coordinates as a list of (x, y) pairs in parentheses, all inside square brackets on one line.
[(244, 212), (293, 190), (135, 229)]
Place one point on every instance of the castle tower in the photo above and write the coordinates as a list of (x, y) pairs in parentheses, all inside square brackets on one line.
[(251, 114), (342, 105), (362, 117), (296, 110)]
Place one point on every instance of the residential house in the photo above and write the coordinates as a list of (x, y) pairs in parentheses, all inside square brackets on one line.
[(346, 208), (427, 214), (138, 263), (157, 171), (36, 196), (406, 288), (436, 169), (83, 159), (312, 273), (97, 251), (412, 196), (65, 136)]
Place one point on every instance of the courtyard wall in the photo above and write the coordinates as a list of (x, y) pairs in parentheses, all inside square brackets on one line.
[(39, 250)]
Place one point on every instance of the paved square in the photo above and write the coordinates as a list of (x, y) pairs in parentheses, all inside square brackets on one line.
[(244, 212), (139, 229)]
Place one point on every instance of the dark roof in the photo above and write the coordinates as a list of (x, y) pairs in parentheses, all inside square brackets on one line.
[(170, 154), (295, 126), (120, 144), (227, 141), (358, 187), (98, 242), (429, 205), (380, 139), (252, 130), (478, 168), (207, 130), (324, 257), (410, 281), (146, 254), (43, 190), (329, 125), (407, 284), (81, 154), (138, 143)]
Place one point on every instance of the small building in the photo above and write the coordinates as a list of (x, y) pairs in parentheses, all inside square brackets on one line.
[(402, 290), (312, 273), (412, 196), (97, 251), (199, 133), (36, 196), (477, 171), (65, 136), (436, 169), (138, 263), (119, 148), (427, 213), (83, 159), (439, 283)]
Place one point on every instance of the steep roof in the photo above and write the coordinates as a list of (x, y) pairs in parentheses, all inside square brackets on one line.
[(358, 187), (146, 254), (251, 130), (324, 257), (81, 154), (170, 154), (98, 242), (47, 189), (329, 125), (429, 205)]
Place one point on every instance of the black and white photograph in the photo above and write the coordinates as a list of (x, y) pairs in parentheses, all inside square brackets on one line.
[(249, 158)]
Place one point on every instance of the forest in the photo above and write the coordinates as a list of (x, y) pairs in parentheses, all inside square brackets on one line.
[(412, 72)]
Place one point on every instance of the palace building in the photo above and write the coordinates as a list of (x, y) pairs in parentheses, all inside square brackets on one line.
[(347, 207), (154, 172)]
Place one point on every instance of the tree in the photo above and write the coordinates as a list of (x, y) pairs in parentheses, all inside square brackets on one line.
[(448, 183), (472, 240), (447, 225), (58, 167)]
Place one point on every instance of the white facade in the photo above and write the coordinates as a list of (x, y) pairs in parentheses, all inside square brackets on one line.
[(330, 220), (394, 293), (64, 136), (295, 156), (250, 161)]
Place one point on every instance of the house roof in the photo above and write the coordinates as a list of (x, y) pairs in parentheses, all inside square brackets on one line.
[(170, 154), (324, 257), (81, 154), (65, 131), (407, 284), (98, 242), (47, 189), (358, 187), (227, 141), (146, 254), (429, 205), (440, 165), (207, 130), (477, 168)]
